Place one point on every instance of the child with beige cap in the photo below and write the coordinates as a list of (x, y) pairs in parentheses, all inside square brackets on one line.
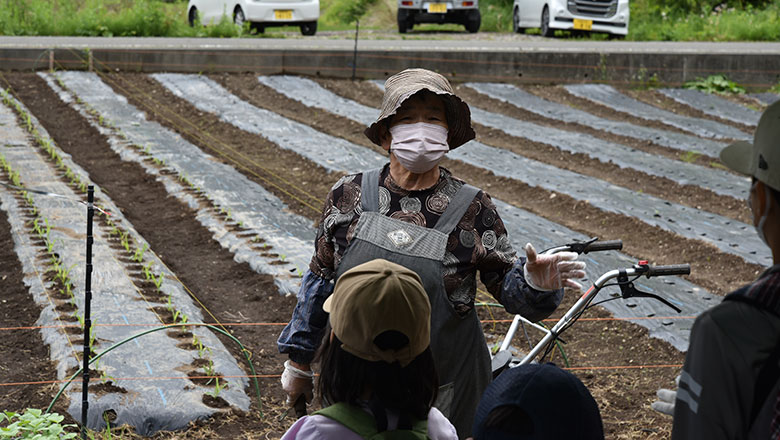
[(377, 367)]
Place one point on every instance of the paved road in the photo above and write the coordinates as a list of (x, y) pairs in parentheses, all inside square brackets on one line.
[(448, 42)]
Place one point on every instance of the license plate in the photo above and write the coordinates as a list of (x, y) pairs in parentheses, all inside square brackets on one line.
[(583, 25), (437, 8), (283, 14)]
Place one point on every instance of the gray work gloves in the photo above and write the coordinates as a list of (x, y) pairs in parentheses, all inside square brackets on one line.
[(296, 382), (666, 398)]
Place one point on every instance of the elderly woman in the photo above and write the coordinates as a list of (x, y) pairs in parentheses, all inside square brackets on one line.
[(417, 214)]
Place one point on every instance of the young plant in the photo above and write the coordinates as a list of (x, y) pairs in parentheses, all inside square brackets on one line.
[(92, 335), (202, 349), (148, 271), (35, 424), (209, 370), (138, 256), (158, 280), (183, 321), (125, 239), (217, 388)]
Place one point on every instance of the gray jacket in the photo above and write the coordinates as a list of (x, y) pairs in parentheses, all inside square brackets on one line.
[(728, 347)]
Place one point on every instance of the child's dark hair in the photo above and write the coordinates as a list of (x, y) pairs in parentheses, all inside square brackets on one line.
[(345, 377)]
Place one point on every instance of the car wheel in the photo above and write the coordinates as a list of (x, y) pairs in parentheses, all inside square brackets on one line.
[(546, 31), (516, 21), (403, 21), (257, 27), (309, 28), (473, 20), (238, 17), (192, 16)]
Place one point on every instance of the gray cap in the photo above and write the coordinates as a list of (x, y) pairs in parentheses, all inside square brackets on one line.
[(406, 83), (761, 159)]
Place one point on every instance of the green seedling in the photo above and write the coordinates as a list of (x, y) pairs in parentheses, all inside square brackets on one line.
[(148, 271), (282, 257), (49, 245), (158, 280), (169, 304), (125, 239), (80, 318), (15, 179), (138, 256), (47, 231), (183, 322), (689, 156), (209, 370), (217, 388), (28, 198), (176, 314), (35, 424), (202, 349), (92, 335), (37, 227)]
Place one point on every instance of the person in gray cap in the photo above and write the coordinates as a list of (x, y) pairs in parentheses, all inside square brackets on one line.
[(730, 384), (417, 214)]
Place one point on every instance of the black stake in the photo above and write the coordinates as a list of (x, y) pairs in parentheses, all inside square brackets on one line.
[(87, 308), (354, 55)]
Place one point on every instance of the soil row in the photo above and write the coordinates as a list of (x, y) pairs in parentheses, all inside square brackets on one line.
[(232, 291)]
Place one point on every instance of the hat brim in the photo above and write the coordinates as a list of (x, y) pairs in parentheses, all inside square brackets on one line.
[(458, 118), (738, 156), (326, 306)]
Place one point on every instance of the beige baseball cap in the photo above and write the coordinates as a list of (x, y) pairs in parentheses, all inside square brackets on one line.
[(373, 298), (761, 159), (406, 83)]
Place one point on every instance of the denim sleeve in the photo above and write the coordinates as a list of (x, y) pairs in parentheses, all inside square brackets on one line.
[(303, 334), (520, 299)]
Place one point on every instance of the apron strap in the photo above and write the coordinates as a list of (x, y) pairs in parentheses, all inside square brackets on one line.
[(456, 208), (369, 190)]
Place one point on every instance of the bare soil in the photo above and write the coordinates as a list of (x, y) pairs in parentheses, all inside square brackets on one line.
[(619, 363)]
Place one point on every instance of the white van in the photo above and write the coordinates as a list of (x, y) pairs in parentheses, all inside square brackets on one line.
[(610, 16), (259, 13)]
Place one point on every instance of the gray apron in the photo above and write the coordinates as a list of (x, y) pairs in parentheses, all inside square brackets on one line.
[(458, 345)]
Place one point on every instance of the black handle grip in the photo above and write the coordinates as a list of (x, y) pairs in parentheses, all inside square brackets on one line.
[(608, 245), (672, 269)]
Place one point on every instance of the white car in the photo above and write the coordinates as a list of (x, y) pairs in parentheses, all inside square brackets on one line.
[(259, 13), (610, 16)]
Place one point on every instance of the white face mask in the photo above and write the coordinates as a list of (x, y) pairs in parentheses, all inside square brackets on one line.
[(420, 146)]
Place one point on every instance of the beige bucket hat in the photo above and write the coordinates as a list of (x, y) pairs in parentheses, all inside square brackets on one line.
[(761, 159), (406, 83), (375, 297)]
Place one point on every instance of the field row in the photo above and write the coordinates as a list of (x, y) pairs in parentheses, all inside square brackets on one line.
[(558, 173)]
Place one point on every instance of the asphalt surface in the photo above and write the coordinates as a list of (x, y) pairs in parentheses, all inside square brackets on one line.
[(420, 41)]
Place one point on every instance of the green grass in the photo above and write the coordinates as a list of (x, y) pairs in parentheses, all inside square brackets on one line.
[(143, 18), (654, 20), (674, 20)]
